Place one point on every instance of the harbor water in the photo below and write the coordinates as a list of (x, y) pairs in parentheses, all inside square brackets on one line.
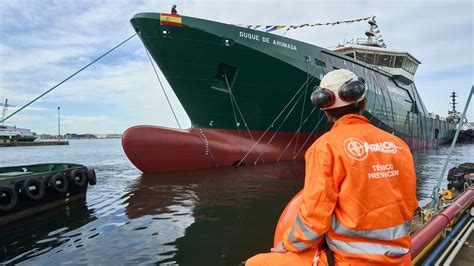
[(205, 217)]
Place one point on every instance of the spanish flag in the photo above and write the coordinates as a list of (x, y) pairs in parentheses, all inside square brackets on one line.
[(170, 20)]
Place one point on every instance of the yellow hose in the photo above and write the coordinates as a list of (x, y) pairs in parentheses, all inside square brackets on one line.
[(427, 248)]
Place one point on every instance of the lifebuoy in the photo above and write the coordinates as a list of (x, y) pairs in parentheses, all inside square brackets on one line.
[(91, 177), (58, 183), (8, 198), (33, 188), (78, 177)]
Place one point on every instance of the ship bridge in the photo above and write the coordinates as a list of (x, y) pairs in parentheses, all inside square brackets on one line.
[(372, 50)]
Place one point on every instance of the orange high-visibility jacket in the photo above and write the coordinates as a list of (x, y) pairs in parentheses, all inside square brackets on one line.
[(359, 194)]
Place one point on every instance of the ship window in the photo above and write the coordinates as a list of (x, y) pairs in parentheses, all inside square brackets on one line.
[(350, 55), (392, 61), (398, 61), (366, 57), (383, 60), (370, 58), (361, 56), (306, 58), (319, 62), (409, 65)]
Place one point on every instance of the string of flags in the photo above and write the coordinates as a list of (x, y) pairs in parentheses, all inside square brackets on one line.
[(270, 28), (374, 29), (379, 38)]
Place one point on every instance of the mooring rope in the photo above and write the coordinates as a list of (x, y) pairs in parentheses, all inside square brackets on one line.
[(299, 129), (445, 166), (272, 123), (304, 100), (161, 84), (307, 139), (66, 79), (309, 79), (281, 124), (237, 124), (232, 98)]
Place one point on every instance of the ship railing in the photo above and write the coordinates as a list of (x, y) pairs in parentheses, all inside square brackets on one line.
[(366, 41)]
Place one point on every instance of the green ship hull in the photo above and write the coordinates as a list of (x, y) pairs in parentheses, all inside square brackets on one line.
[(252, 84)]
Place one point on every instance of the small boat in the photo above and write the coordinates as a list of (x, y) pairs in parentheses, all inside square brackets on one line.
[(29, 189)]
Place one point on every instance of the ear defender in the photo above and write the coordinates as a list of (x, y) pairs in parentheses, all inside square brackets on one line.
[(352, 90), (322, 98)]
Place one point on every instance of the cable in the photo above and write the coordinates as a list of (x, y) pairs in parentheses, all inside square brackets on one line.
[(436, 189), (289, 143), (161, 84), (307, 139), (271, 124), (75, 73)]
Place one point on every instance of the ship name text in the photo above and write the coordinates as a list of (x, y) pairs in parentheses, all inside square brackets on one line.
[(263, 39)]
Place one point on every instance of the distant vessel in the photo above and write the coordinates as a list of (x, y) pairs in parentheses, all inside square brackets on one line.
[(13, 133), (247, 92), (454, 115)]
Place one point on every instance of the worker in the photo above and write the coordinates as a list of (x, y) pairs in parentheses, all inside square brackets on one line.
[(173, 10), (359, 192)]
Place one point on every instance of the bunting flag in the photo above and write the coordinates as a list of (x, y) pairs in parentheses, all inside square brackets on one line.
[(270, 28), (275, 28)]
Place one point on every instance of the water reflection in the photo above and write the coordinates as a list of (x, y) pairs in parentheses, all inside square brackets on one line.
[(429, 164), (32, 237), (215, 216), (207, 217)]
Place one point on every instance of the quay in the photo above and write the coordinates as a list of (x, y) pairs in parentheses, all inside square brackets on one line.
[(34, 143)]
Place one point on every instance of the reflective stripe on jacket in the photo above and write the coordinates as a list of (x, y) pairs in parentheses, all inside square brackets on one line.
[(359, 194)]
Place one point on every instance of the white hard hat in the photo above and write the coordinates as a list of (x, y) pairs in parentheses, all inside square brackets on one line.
[(334, 81)]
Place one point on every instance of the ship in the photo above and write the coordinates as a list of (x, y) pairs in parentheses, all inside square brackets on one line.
[(246, 93), (13, 133), (16, 134)]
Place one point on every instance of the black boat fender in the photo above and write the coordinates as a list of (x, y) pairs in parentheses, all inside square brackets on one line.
[(78, 177), (58, 183), (38, 188), (91, 177), (8, 198)]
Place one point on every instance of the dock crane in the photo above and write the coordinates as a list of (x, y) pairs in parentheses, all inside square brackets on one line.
[(5, 109)]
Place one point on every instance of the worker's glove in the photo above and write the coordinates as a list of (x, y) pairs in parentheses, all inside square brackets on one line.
[(279, 248)]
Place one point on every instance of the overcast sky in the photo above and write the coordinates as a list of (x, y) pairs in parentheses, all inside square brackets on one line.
[(42, 42)]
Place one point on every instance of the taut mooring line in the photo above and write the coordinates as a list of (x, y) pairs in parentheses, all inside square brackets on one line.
[(459, 125), (162, 88), (66, 79)]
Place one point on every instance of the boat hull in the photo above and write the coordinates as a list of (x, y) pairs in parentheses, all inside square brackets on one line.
[(155, 149), (225, 76)]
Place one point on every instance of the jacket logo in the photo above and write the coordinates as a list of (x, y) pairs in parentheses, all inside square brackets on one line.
[(359, 150)]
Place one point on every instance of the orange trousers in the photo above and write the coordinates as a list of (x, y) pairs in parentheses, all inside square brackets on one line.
[(305, 258), (287, 258)]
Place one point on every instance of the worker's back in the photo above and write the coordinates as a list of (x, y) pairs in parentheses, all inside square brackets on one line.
[(376, 181)]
